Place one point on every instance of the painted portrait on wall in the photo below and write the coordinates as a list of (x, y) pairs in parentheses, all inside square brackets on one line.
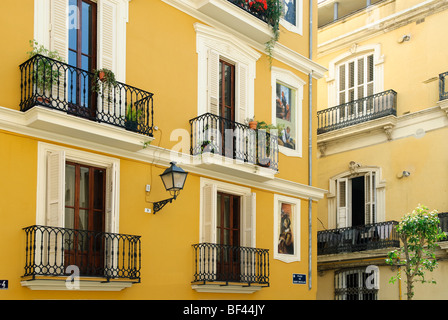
[(286, 237), (285, 115)]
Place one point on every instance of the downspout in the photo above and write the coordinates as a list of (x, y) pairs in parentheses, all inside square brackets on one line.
[(310, 147)]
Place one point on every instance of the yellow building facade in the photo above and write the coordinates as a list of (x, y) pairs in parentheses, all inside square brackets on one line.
[(82, 204), (382, 124)]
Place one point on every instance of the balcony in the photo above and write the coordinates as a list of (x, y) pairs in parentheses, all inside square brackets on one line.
[(56, 85), (212, 134), (226, 265), (238, 15), (358, 111), (108, 256), (380, 235)]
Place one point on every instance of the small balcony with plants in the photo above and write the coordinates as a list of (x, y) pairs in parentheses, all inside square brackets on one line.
[(257, 19), (228, 145), (46, 81)]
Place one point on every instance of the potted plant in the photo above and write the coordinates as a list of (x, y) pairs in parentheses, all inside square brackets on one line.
[(103, 78), (132, 118), (45, 73), (252, 123)]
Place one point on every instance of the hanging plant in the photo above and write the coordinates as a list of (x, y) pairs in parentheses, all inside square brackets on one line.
[(273, 14), (105, 76)]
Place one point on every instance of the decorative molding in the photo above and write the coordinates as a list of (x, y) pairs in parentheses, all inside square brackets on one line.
[(218, 288), (382, 130), (84, 285), (17, 122), (387, 24)]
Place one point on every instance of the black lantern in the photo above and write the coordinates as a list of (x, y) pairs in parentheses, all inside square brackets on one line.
[(173, 179)]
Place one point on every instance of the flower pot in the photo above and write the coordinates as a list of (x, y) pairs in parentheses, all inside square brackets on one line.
[(253, 124), (102, 76), (43, 100), (131, 125)]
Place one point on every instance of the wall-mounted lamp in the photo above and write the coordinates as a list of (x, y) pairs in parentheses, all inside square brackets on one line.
[(173, 179), (403, 174)]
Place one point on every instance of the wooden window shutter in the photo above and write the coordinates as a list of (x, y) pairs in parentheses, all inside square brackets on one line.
[(342, 203), (55, 188), (59, 31), (213, 82), (248, 220), (209, 208), (243, 87), (107, 25)]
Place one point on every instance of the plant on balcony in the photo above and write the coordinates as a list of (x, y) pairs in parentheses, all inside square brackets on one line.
[(132, 118), (251, 122), (103, 78), (419, 232), (258, 6), (44, 72)]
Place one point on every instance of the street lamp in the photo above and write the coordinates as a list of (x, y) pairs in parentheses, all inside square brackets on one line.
[(173, 179)]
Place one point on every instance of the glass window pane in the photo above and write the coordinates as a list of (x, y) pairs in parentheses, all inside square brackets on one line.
[(69, 185), (84, 188), (73, 25), (86, 27), (98, 193)]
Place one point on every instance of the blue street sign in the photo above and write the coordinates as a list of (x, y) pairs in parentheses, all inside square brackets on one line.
[(298, 278)]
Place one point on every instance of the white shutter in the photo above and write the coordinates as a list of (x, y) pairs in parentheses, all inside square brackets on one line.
[(248, 220), (209, 208), (213, 82), (59, 30), (342, 202), (55, 188), (369, 188), (243, 91)]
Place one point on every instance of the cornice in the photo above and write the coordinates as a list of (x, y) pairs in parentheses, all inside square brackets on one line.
[(58, 127), (387, 24)]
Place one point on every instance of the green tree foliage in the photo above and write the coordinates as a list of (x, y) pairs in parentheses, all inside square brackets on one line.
[(418, 231)]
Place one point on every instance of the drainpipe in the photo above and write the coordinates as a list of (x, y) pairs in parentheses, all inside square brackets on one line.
[(310, 149)]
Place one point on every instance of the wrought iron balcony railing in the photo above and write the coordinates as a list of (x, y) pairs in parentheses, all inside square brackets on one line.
[(57, 85), (353, 239), (215, 134), (224, 263), (443, 86), (50, 250), (372, 107)]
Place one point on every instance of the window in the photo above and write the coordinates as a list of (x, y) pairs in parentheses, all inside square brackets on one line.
[(77, 189), (356, 79), (287, 95), (356, 197), (292, 15), (356, 200), (218, 50), (353, 285)]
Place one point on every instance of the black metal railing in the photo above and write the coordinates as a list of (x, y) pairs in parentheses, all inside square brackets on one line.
[(217, 135), (352, 239), (443, 217), (224, 263), (443, 87), (372, 107), (50, 250), (245, 5), (57, 85)]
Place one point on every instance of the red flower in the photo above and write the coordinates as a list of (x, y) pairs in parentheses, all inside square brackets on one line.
[(258, 5)]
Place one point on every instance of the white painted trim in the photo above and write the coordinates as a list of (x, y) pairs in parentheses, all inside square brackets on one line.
[(281, 52), (374, 132), (387, 24), (296, 228), (109, 163), (16, 121), (291, 80), (231, 48), (298, 28), (217, 288), (84, 285)]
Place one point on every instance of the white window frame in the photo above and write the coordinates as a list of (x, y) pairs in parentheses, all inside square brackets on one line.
[(340, 282), (298, 27), (111, 165), (354, 52), (112, 19), (295, 205), (247, 216), (213, 42), (336, 218), (293, 81)]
